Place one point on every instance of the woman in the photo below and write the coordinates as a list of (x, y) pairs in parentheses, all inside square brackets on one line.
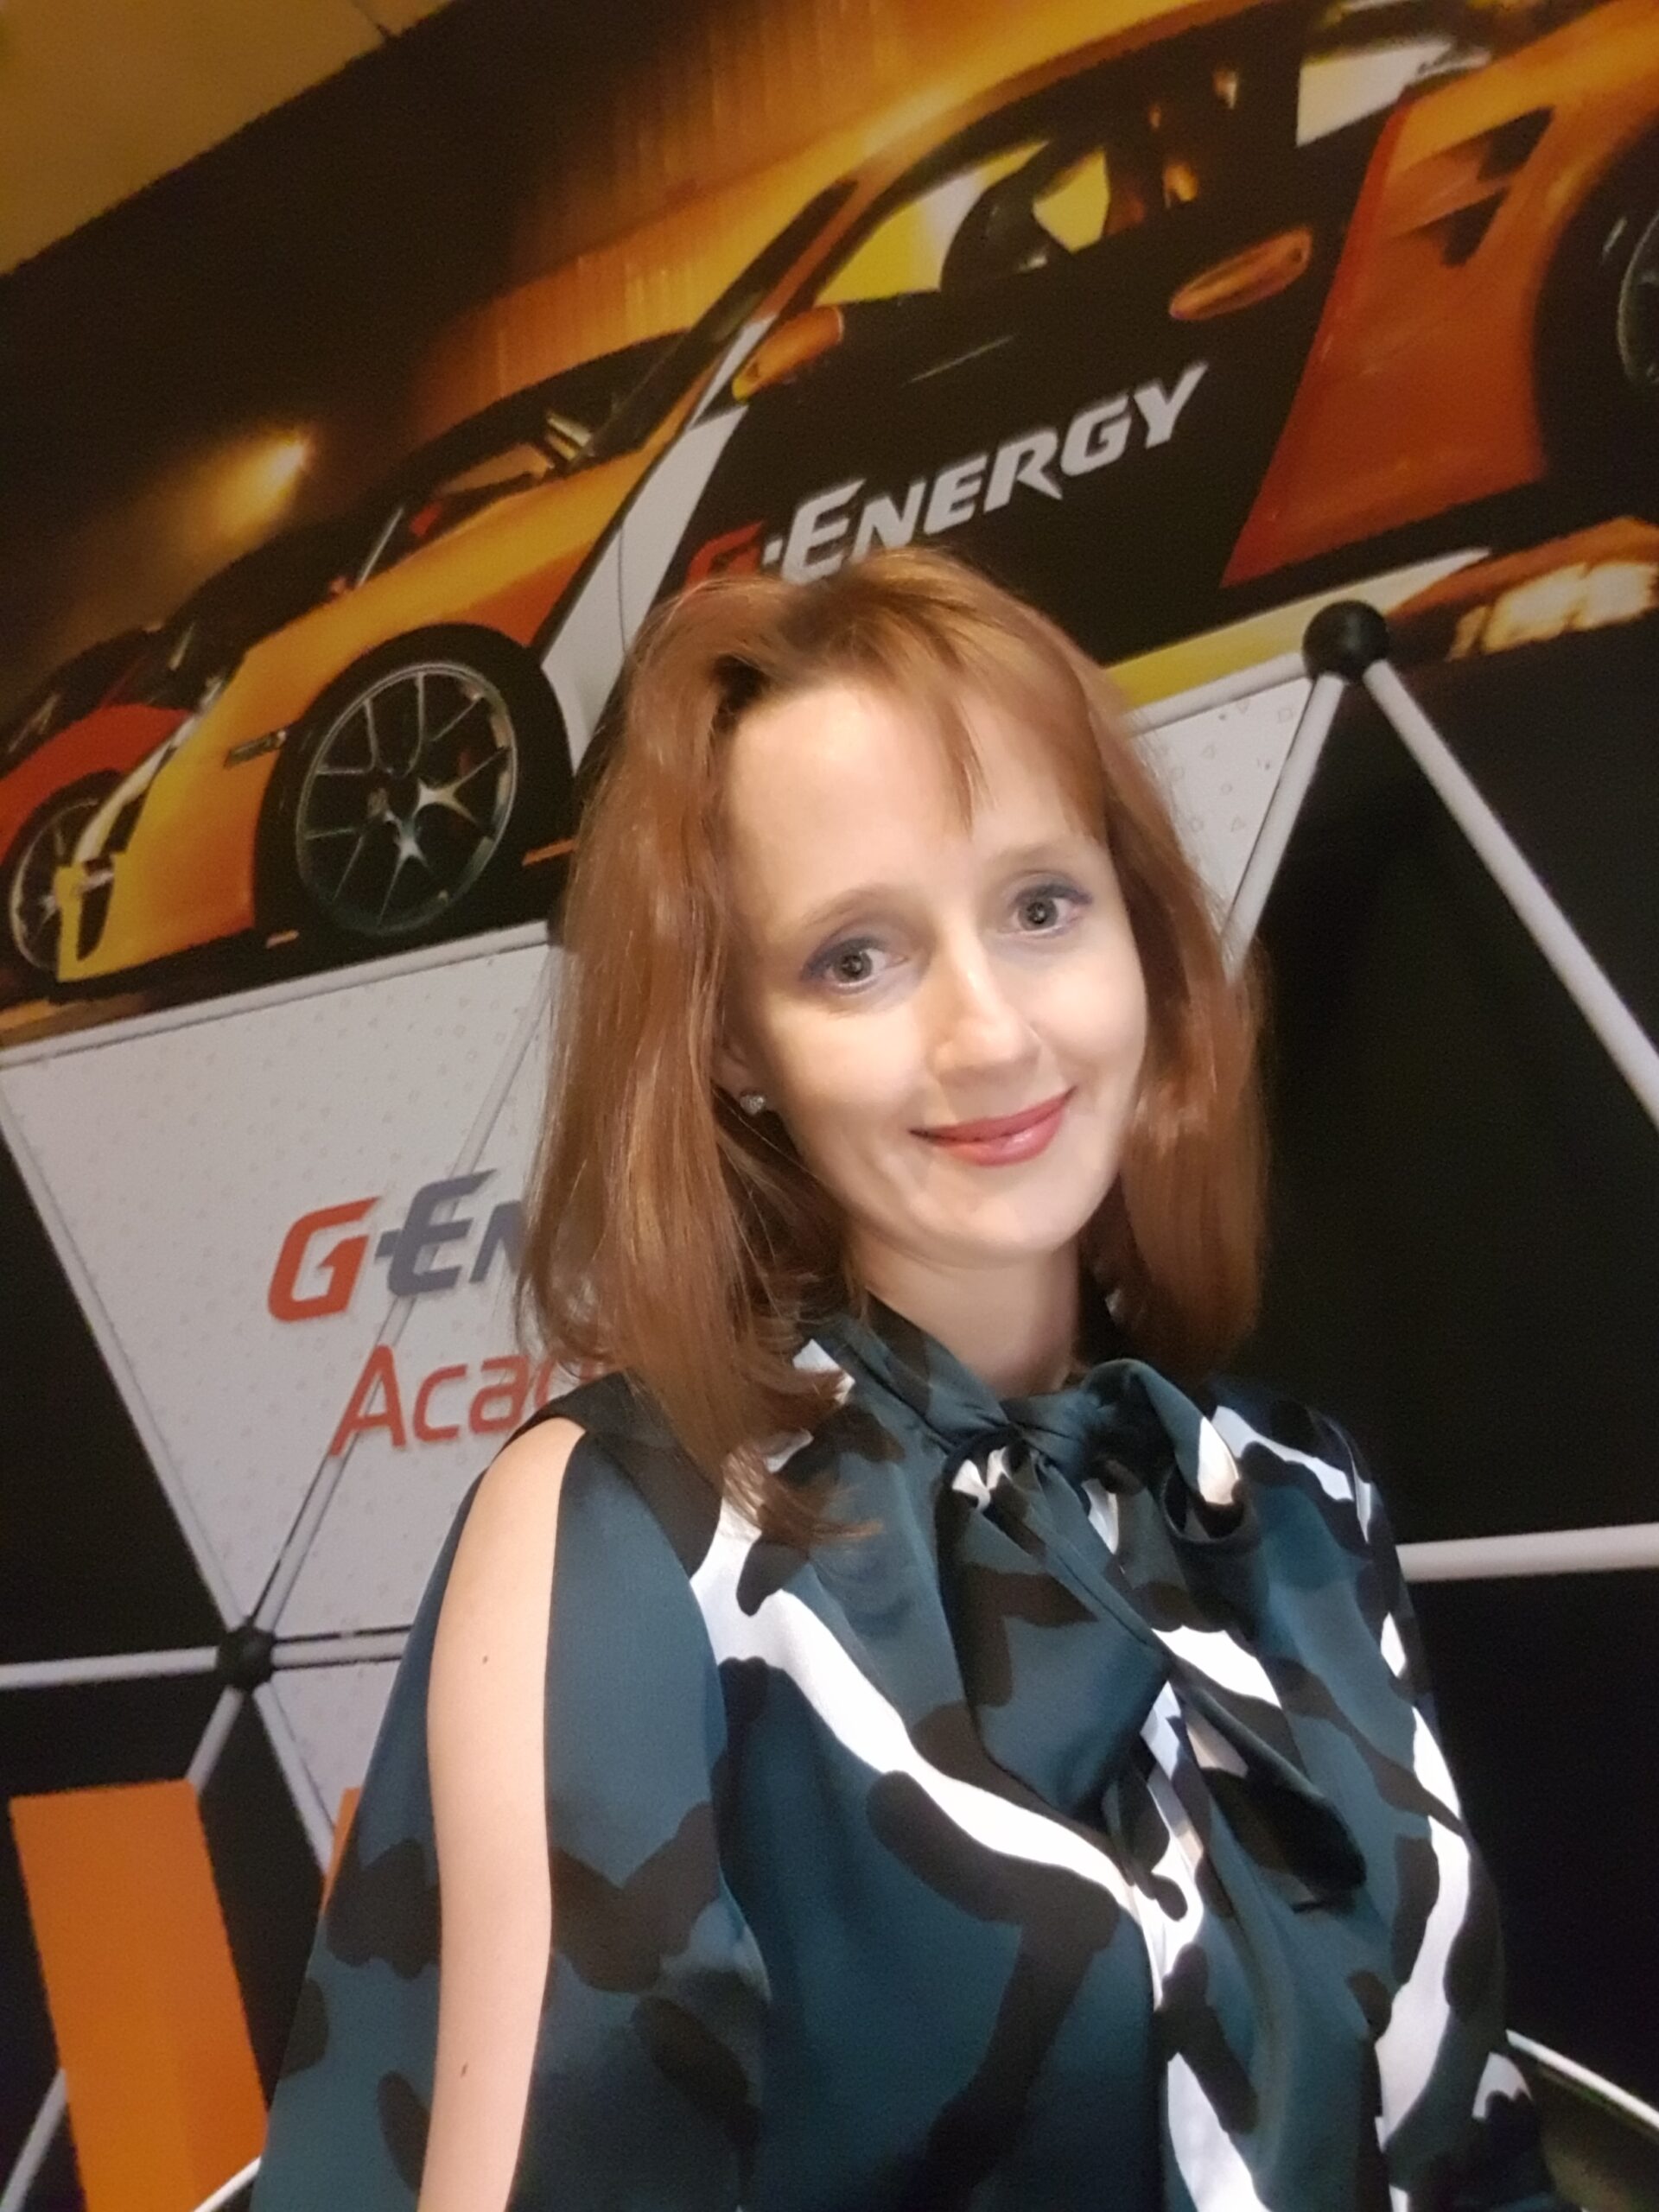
[(907, 1733)]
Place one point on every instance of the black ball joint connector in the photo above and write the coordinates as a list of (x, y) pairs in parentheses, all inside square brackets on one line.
[(1345, 639), (245, 1657)]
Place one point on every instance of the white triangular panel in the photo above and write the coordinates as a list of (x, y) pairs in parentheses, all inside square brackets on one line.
[(171, 1164), (1220, 768)]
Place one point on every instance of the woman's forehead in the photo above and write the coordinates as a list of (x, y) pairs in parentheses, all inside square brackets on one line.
[(855, 757)]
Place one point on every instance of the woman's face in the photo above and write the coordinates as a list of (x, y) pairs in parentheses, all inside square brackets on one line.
[(901, 975)]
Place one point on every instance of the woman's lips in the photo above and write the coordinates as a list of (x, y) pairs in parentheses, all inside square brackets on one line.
[(1005, 1138)]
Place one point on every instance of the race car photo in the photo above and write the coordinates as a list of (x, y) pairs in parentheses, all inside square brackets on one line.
[(100, 714), (1165, 329)]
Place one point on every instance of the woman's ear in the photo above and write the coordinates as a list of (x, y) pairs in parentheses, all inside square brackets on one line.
[(734, 1068)]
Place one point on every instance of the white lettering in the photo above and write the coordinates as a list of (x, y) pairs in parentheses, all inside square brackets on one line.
[(817, 525), (1162, 408), (1023, 461), (955, 493), (881, 523), (1096, 437)]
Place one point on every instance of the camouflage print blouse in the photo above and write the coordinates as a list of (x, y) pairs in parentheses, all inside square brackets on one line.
[(1076, 1836)]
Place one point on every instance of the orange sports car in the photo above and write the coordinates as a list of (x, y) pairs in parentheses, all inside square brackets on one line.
[(1149, 331), (99, 716)]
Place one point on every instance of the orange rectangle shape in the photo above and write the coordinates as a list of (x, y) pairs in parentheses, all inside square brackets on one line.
[(164, 2097)]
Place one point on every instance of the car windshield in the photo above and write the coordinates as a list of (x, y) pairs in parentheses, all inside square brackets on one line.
[(430, 512), (206, 638), (702, 346)]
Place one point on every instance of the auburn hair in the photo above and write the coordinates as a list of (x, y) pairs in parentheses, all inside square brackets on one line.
[(670, 1235)]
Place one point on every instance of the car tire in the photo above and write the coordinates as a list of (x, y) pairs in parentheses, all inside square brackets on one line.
[(1599, 344), (406, 801), (46, 839)]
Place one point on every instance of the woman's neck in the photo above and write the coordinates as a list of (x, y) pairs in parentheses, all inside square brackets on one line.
[(1014, 1327)]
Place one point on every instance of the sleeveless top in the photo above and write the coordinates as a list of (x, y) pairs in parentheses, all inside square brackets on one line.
[(1075, 1835)]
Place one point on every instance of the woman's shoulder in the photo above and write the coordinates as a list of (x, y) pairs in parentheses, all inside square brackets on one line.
[(604, 1446)]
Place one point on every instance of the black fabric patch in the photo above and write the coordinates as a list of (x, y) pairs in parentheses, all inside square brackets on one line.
[(767, 1566), (387, 1909), (684, 1506), (403, 2124), (621, 1936), (307, 2039), (1144, 1837), (705, 2071), (1187, 2025), (1417, 1871), (973, 2131), (1370, 1993), (1473, 1963), (984, 1600), (1050, 1902), (1304, 1692)]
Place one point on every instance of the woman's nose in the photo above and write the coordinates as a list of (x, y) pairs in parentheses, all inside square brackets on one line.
[(978, 1024)]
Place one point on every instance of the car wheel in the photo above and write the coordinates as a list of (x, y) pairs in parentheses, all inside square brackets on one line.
[(412, 792), (34, 922), (1599, 343)]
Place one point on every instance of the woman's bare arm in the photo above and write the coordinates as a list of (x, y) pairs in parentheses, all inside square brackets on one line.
[(485, 1742)]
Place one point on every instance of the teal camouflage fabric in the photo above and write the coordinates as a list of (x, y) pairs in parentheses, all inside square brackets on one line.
[(1075, 1836)]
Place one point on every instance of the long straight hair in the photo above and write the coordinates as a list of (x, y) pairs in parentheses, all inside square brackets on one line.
[(669, 1236)]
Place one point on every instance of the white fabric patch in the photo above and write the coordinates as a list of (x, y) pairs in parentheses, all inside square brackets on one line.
[(1409, 2047), (1102, 1510), (1214, 1654), (1217, 1468), (1503, 2078), (1394, 1649), (1239, 1434), (1216, 2176)]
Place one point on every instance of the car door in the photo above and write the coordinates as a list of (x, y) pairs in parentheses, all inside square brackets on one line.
[(1064, 344)]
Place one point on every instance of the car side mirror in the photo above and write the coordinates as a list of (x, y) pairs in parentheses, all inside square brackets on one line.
[(788, 348)]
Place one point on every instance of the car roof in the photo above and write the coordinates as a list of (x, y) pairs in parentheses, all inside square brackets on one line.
[(586, 393), (1143, 26)]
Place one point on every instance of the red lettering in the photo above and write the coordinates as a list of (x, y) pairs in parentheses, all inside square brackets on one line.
[(735, 552), (379, 1372), (509, 1394), (341, 1265), (423, 1429)]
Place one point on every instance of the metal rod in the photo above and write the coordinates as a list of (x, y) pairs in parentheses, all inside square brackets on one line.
[(518, 938), (36, 2143), (1631, 1050), (1220, 691), (365, 1646), (1544, 1551), (214, 1737), (1598, 2085), (222, 2195), (1306, 744), (107, 1667), (308, 1799)]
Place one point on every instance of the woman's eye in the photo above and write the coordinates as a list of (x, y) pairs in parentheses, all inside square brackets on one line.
[(1049, 906), (847, 966)]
